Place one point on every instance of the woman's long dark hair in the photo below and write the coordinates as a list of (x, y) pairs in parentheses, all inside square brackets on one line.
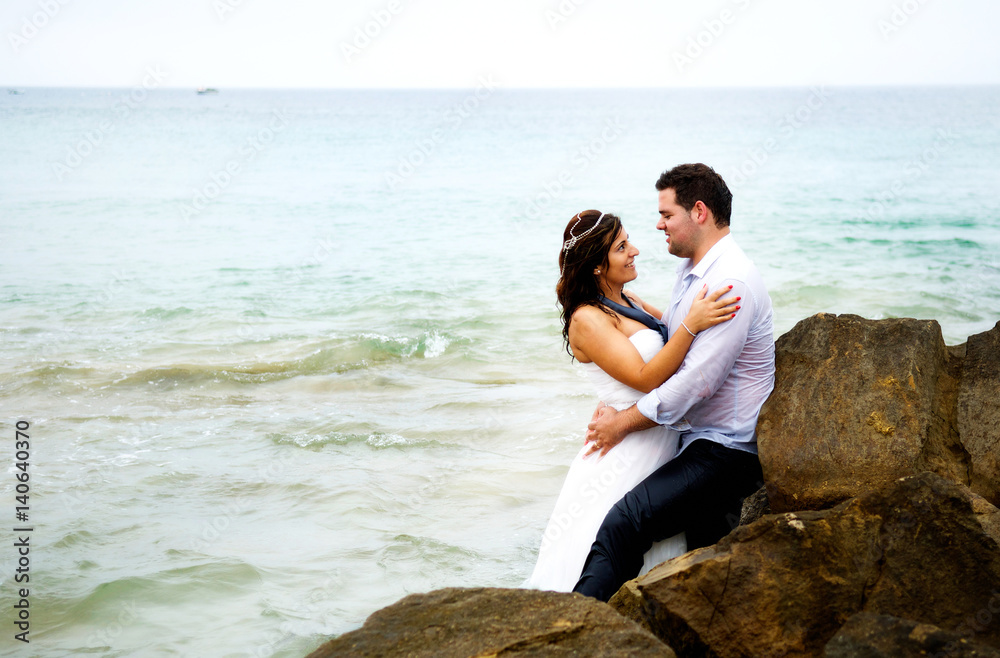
[(578, 285)]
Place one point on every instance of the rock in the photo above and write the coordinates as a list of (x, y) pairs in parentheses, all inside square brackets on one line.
[(856, 405), (490, 622), (785, 584), (867, 635), (979, 411), (628, 602), (755, 506), (988, 516)]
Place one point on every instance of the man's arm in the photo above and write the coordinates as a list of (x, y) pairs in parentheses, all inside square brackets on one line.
[(706, 366)]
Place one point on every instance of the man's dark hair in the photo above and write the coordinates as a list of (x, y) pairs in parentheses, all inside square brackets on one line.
[(698, 182)]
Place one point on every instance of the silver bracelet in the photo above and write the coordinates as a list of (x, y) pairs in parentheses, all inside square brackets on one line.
[(689, 331)]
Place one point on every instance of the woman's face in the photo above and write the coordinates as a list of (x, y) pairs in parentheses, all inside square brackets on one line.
[(621, 263)]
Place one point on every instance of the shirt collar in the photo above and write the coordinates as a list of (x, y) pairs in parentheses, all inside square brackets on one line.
[(718, 249)]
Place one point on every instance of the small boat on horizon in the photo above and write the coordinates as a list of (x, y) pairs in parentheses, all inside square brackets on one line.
[(206, 90), (16, 92)]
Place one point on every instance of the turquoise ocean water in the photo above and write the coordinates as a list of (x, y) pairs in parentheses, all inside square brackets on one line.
[(288, 356)]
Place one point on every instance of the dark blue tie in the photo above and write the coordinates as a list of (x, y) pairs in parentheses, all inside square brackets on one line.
[(637, 314)]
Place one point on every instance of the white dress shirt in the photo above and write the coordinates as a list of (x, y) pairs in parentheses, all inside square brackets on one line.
[(728, 372)]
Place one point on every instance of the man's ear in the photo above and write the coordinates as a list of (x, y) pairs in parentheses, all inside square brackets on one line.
[(699, 212)]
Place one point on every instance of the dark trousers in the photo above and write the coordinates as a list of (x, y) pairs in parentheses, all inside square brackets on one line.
[(699, 492)]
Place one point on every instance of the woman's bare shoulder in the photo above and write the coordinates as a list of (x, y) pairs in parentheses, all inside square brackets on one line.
[(589, 320), (587, 325), (590, 314)]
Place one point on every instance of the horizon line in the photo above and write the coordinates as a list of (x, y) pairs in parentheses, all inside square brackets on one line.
[(14, 86)]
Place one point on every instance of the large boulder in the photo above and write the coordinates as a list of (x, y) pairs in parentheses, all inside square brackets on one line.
[(923, 549), (628, 602), (491, 622), (979, 411), (867, 635), (856, 405)]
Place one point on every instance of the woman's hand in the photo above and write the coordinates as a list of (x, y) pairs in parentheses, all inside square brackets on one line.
[(708, 310)]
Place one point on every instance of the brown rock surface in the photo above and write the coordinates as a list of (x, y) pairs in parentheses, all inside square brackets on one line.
[(856, 405), (785, 584), (979, 411), (755, 506), (495, 622), (988, 516), (628, 602), (867, 635)]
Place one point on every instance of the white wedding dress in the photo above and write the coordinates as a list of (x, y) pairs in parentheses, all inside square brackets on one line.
[(593, 485)]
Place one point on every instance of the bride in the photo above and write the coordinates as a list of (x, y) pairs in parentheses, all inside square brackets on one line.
[(625, 350)]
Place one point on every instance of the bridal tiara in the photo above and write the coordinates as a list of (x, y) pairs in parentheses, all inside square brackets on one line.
[(573, 239)]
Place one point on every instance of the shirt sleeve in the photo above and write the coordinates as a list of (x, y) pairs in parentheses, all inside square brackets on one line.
[(706, 366)]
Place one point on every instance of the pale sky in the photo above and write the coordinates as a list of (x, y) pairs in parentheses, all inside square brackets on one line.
[(521, 43)]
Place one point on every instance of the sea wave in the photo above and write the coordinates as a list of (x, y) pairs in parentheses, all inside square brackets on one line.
[(361, 352), (254, 363), (428, 345), (415, 551), (158, 313), (168, 587), (372, 439)]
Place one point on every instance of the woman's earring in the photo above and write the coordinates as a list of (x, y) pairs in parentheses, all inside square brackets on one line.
[(597, 271)]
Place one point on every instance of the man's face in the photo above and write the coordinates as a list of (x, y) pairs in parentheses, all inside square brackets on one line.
[(680, 229)]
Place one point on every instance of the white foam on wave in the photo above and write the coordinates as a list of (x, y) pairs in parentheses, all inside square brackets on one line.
[(382, 338), (381, 440), (435, 345)]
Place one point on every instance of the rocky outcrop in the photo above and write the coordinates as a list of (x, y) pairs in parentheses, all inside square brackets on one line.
[(860, 403), (786, 584), (495, 622), (629, 602), (882, 636), (978, 415), (880, 449)]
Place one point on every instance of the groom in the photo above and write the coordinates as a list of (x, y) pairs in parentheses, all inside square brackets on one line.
[(713, 399)]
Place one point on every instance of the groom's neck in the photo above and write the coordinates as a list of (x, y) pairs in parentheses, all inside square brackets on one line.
[(711, 236)]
